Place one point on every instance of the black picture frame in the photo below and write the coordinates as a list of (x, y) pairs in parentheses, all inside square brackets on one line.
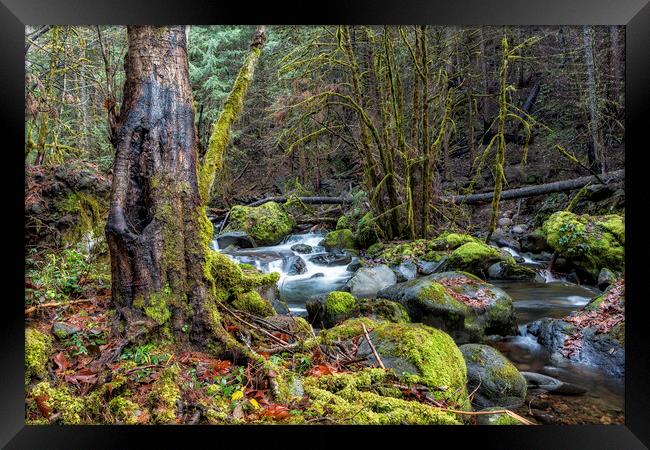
[(635, 14)]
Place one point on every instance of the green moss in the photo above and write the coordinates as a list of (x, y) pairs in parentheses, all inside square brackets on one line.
[(375, 249), (382, 309), (346, 330), (474, 257), (451, 241), (368, 231), (437, 293), (230, 276), (344, 222), (349, 399), (343, 239), (38, 347), (124, 410), (267, 224), (62, 402), (164, 395), (339, 303), (220, 135), (593, 242), (158, 306), (90, 213), (253, 302), (433, 355)]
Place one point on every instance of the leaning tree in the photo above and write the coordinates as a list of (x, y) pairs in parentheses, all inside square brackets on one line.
[(165, 276)]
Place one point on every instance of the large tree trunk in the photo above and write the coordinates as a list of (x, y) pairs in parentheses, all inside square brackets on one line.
[(154, 234)]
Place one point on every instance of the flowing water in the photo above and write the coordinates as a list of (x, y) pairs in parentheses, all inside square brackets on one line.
[(317, 279), (532, 301)]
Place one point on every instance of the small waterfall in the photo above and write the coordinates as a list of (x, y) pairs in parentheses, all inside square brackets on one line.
[(515, 253), (548, 276)]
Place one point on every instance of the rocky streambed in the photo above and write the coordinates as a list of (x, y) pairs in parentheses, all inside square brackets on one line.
[(503, 309)]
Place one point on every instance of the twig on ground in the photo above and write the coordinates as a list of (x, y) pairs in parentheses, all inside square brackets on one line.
[(372, 347)]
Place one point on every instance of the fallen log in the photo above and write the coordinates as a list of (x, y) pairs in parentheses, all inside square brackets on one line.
[(306, 200), (540, 189)]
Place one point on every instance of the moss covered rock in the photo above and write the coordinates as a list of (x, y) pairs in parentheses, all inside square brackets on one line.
[(253, 303), (451, 241), (357, 399), (420, 354), (459, 303), (498, 381), (476, 258), (164, 395), (71, 408), (338, 307), (368, 231), (38, 347), (498, 418), (339, 239), (267, 224), (512, 271), (590, 242)]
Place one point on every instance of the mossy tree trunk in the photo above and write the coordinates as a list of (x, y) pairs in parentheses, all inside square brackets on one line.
[(154, 231)]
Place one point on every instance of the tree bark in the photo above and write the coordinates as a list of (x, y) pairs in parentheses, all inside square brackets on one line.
[(153, 232), (594, 113)]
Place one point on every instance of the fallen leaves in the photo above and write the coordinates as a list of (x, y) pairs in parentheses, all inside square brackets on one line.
[(276, 412), (62, 363), (322, 369), (43, 407)]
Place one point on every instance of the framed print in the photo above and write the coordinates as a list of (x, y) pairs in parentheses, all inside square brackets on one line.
[(370, 218)]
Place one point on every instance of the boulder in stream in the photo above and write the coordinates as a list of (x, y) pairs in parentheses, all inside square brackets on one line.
[(238, 239), (508, 271), (302, 248), (336, 307), (370, 280), (405, 271), (476, 258), (267, 224), (496, 380), (458, 303), (593, 336), (332, 259)]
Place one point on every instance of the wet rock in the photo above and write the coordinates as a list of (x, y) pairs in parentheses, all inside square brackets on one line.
[(235, 238), (551, 385), (369, 280), (405, 271), (498, 381), (605, 278), (502, 240), (302, 248), (484, 309), (318, 275), (332, 259), (429, 267), (534, 242), (337, 307), (506, 271), (354, 265), (340, 239), (294, 265), (290, 324), (505, 221), (64, 330), (598, 342), (519, 229)]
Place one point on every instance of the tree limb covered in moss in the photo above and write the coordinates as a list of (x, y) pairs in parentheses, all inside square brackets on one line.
[(232, 108)]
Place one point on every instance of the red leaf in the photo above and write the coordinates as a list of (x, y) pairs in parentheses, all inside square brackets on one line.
[(277, 412), (61, 362), (322, 369), (42, 406), (84, 375)]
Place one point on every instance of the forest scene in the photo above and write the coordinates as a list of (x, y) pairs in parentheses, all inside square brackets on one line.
[(324, 225)]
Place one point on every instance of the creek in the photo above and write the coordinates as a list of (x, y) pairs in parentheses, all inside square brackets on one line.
[(322, 272)]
